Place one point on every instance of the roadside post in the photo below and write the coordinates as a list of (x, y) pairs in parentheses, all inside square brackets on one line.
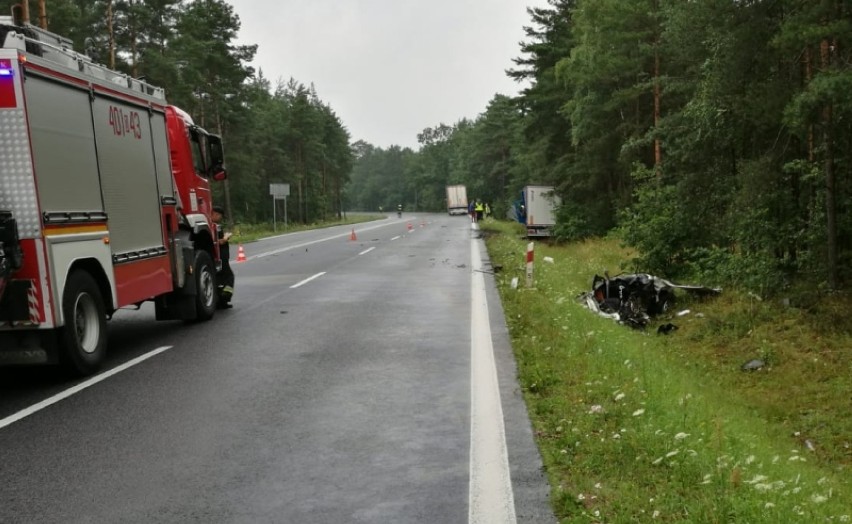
[(530, 265), (279, 192)]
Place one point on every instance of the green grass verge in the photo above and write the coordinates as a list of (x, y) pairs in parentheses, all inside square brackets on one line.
[(638, 427), (244, 233)]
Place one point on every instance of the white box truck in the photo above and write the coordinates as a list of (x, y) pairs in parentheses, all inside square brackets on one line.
[(457, 200)]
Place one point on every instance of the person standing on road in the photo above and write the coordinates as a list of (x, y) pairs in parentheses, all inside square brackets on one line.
[(479, 209), (225, 277), (472, 211)]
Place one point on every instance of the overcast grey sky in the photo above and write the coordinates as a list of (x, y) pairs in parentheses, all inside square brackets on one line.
[(390, 68)]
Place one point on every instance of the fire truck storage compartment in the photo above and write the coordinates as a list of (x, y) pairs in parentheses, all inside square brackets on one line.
[(99, 154)]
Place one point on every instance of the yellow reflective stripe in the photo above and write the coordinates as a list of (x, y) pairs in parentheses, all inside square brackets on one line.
[(71, 229)]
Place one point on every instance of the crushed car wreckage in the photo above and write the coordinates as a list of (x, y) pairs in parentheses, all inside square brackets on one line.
[(632, 299)]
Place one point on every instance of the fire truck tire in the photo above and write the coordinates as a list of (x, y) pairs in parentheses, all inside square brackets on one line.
[(83, 337), (205, 285)]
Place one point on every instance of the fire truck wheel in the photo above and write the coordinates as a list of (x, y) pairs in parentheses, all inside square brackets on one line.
[(205, 274), (83, 338)]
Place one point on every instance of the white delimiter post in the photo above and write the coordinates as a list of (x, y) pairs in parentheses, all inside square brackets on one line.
[(530, 264)]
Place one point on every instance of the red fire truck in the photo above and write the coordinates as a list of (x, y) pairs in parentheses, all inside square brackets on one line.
[(105, 202)]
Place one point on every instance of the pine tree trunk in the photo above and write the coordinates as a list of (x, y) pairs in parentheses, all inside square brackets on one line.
[(111, 35), (134, 50), (658, 151), (830, 179)]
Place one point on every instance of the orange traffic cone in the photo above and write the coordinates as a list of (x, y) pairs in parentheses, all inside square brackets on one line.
[(241, 254), (352, 236), (410, 227)]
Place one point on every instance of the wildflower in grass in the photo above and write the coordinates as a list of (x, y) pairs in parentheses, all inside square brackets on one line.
[(619, 397), (707, 479), (768, 505), (756, 479), (597, 408), (581, 497), (616, 436), (671, 454), (844, 518), (681, 436), (818, 499), (638, 412), (763, 487), (655, 514)]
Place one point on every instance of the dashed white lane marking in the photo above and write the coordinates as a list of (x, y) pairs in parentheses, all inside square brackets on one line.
[(491, 500), (396, 237), (310, 243), (367, 250), (11, 419), (303, 282)]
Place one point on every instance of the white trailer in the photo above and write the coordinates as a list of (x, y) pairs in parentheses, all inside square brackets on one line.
[(457, 200), (540, 205)]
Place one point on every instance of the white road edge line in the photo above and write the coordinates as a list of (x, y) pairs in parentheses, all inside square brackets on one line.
[(367, 250), (303, 282), (491, 500), (11, 419)]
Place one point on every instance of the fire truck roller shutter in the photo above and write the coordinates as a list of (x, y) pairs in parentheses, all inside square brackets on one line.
[(63, 147), (128, 174)]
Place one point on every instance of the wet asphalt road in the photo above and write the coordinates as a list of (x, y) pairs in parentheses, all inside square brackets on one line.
[(338, 389)]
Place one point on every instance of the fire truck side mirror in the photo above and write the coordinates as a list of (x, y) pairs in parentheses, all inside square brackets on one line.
[(219, 173), (217, 158)]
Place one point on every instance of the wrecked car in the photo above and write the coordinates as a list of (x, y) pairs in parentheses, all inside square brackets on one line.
[(632, 299)]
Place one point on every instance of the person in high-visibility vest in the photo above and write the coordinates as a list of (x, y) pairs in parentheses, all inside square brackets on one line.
[(479, 208), (225, 277)]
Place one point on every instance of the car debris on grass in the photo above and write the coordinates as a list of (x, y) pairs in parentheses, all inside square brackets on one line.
[(633, 299)]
